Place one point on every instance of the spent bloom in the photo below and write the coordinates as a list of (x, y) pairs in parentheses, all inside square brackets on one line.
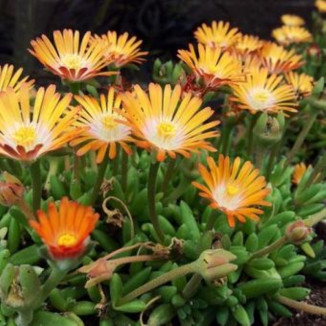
[(287, 35), (120, 49), (233, 189), (65, 231), (103, 130), (292, 20), (218, 35), (162, 121), (69, 57), (27, 132)]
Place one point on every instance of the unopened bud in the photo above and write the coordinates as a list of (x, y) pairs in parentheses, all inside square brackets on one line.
[(297, 232), (11, 190), (214, 264)]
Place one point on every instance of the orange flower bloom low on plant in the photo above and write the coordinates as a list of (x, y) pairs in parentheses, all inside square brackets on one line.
[(66, 231), (11, 79), (218, 35), (120, 50), (292, 20), (102, 131), (302, 84), (299, 171), (278, 60), (26, 132), (212, 65), (69, 57), (287, 35), (262, 92), (164, 122), (233, 189)]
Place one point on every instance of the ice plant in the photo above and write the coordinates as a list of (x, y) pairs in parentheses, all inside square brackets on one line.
[(65, 231), (69, 57), (247, 44), (287, 35), (321, 5), (262, 92), (103, 130), (164, 122), (302, 84), (218, 35), (27, 132), (299, 171), (120, 49), (233, 189), (279, 60), (9, 78), (292, 20), (213, 66)]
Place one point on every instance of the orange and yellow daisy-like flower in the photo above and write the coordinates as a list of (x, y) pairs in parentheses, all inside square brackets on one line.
[(167, 124), (247, 44), (302, 84), (104, 131), (66, 231), (69, 57), (218, 35), (292, 20), (278, 60), (321, 5), (213, 66), (26, 132), (262, 92), (9, 78), (233, 189), (287, 35), (120, 50), (299, 171)]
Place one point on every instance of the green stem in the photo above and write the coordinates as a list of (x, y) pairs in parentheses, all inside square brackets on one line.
[(177, 192), (168, 175), (192, 286), (260, 153), (316, 218), (252, 123), (227, 136), (99, 179), (275, 245), (124, 170), (301, 306), (210, 221), (35, 169), (271, 159), (151, 192), (302, 136), (320, 166), (53, 168), (167, 277)]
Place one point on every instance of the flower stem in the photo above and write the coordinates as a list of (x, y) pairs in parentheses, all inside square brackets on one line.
[(53, 168), (298, 143), (252, 123), (151, 191), (99, 179), (275, 245), (317, 170), (169, 276), (314, 219), (35, 169), (192, 286), (168, 175), (302, 306), (227, 136), (124, 170), (271, 159)]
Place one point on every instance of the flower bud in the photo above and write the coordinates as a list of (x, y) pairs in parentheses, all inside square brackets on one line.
[(213, 264), (314, 51), (297, 232), (11, 190)]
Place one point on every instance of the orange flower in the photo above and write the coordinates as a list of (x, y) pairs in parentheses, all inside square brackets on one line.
[(10, 79), (65, 231), (278, 60), (247, 44), (68, 57), (287, 35), (299, 171), (302, 84), (292, 20), (119, 49), (233, 189), (218, 35), (168, 124), (103, 130)]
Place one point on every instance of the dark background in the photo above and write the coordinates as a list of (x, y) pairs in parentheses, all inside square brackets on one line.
[(163, 25)]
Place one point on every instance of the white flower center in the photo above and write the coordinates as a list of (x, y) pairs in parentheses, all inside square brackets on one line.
[(260, 99), (228, 196), (73, 61)]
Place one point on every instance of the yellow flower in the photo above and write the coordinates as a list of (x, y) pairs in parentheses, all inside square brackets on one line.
[(292, 20), (27, 133), (233, 189), (164, 122), (278, 60), (103, 131), (65, 231), (11, 79), (214, 67), (262, 92), (247, 44), (120, 50), (219, 34), (321, 5), (299, 171), (302, 84), (287, 35), (69, 57)]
